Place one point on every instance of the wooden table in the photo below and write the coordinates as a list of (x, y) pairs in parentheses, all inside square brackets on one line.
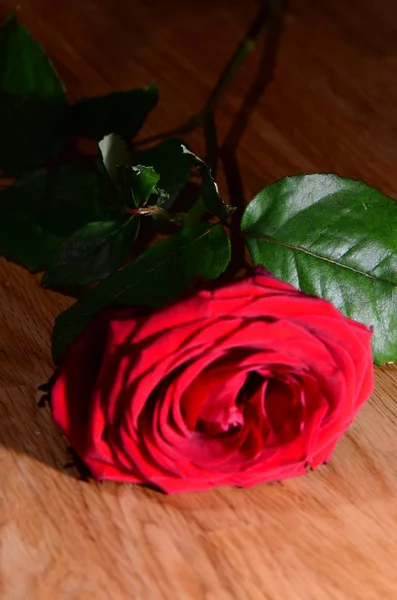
[(332, 106)]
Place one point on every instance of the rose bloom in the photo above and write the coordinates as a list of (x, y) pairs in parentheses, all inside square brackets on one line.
[(238, 384)]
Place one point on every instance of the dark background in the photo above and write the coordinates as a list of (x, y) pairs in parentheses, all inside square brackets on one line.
[(331, 106)]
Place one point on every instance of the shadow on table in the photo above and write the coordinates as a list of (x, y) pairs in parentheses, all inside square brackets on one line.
[(26, 428), (359, 474)]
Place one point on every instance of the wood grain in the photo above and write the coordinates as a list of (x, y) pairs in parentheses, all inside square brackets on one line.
[(330, 535)]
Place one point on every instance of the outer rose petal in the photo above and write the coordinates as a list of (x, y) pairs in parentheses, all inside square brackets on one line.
[(75, 380), (150, 398)]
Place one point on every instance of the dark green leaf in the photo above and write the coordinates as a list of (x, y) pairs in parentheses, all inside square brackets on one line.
[(108, 194), (92, 253), (21, 232), (171, 163), (32, 101), (71, 200), (39, 210), (114, 153), (334, 238), (139, 183), (209, 189), (119, 112), (159, 275), (126, 185)]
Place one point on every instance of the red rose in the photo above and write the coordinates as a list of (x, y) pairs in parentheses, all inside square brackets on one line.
[(248, 382)]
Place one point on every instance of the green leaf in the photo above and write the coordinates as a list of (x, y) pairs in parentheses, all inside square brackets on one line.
[(127, 185), (41, 209), (71, 200), (21, 232), (209, 190), (159, 275), (32, 101), (334, 238), (114, 153), (172, 164), (139, 183), (92, 253), (122, 113)]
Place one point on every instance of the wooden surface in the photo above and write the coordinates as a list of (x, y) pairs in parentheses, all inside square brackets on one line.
[(332, 106)]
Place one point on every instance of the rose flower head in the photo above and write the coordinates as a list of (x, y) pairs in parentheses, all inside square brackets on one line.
[(237, 384)]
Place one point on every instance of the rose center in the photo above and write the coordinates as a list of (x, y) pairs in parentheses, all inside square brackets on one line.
[(283, 408), (216, 419)]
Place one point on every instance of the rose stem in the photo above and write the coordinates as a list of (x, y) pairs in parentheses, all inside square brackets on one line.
[(274, 9), (232, 140), (206, 116)]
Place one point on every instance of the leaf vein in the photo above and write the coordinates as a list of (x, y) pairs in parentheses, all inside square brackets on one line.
[(270, 240)]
